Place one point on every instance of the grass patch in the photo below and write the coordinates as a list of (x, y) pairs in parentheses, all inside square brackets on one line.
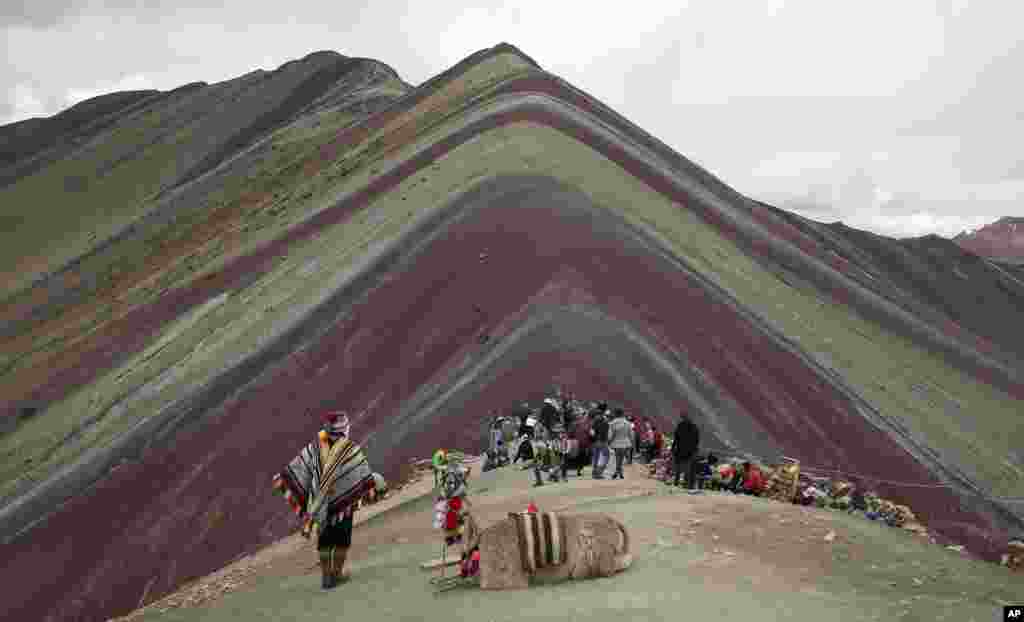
[(99, 199)]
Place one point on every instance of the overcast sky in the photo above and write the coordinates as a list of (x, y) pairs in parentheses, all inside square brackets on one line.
[(902, 117)]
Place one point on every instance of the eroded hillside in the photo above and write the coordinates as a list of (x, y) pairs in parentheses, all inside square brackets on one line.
[(476, 240)]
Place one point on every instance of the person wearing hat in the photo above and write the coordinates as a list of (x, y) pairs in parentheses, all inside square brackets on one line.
[(323, 484)]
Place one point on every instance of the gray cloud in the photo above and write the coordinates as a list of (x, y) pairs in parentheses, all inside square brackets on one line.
[(891, 116), (33, 14), (42, 14)]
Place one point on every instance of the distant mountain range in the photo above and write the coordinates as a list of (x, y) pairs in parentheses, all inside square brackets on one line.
[(1002, 240)]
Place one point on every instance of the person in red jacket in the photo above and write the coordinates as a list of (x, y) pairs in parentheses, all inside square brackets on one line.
[(581, 433), (659, 442), (753, 479)]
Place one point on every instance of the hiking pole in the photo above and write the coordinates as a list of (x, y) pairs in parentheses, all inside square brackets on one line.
[(444, 583)]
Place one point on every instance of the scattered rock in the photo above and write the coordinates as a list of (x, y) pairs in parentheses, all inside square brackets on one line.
[(959, 548), (918, 581), (830, 536)]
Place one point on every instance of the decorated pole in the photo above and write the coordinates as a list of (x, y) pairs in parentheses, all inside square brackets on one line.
[(450, 513)]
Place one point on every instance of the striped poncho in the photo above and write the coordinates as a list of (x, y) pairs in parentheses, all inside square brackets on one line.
[(324, 481)]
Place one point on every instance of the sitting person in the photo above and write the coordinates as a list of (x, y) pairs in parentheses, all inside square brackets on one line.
[(753, 479), (722, 476), (705, 470), (748, 480), (376, 493), (490, 461)]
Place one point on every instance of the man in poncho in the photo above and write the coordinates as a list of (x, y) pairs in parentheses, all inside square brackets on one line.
[(323, 484)]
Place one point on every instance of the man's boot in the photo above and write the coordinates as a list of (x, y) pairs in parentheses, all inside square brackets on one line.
[(338, 567), (536, 474)]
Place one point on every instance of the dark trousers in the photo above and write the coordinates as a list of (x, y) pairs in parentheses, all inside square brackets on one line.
[(600, 459), (651, 452), (582, 460), (687, 464), (338, 535)]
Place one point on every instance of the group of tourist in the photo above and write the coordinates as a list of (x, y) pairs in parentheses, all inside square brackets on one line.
[(565, 434), (331, 478)]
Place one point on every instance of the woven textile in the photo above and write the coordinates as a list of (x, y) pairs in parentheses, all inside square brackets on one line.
[(541, 539), (325, 481)]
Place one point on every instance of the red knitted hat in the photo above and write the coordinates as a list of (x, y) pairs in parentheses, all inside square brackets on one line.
[(336, 424)]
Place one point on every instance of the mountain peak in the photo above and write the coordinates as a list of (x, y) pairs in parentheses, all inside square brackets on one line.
[(1002, 240)]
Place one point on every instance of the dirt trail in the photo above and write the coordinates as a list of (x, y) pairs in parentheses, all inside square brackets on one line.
[(723, 555)]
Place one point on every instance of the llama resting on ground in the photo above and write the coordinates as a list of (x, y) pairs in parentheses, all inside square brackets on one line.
[(548, 547)]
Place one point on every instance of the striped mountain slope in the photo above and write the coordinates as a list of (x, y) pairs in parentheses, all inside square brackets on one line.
[(479, 239)]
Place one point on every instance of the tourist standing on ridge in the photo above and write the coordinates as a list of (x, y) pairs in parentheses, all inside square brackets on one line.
[(620, 439), (549, 416), (323, 484), (657, 442), (685, 442), (496, 442), (581, 432), (633, 439), (648, 443), (508, 433), (599, 434)]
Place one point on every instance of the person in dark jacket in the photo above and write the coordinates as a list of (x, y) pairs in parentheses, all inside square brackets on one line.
[(685, 443), (634, 438), (600, 446), (549, 414)]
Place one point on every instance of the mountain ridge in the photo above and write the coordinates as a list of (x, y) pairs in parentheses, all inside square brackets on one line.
[(364, 253), (1001, 240)]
